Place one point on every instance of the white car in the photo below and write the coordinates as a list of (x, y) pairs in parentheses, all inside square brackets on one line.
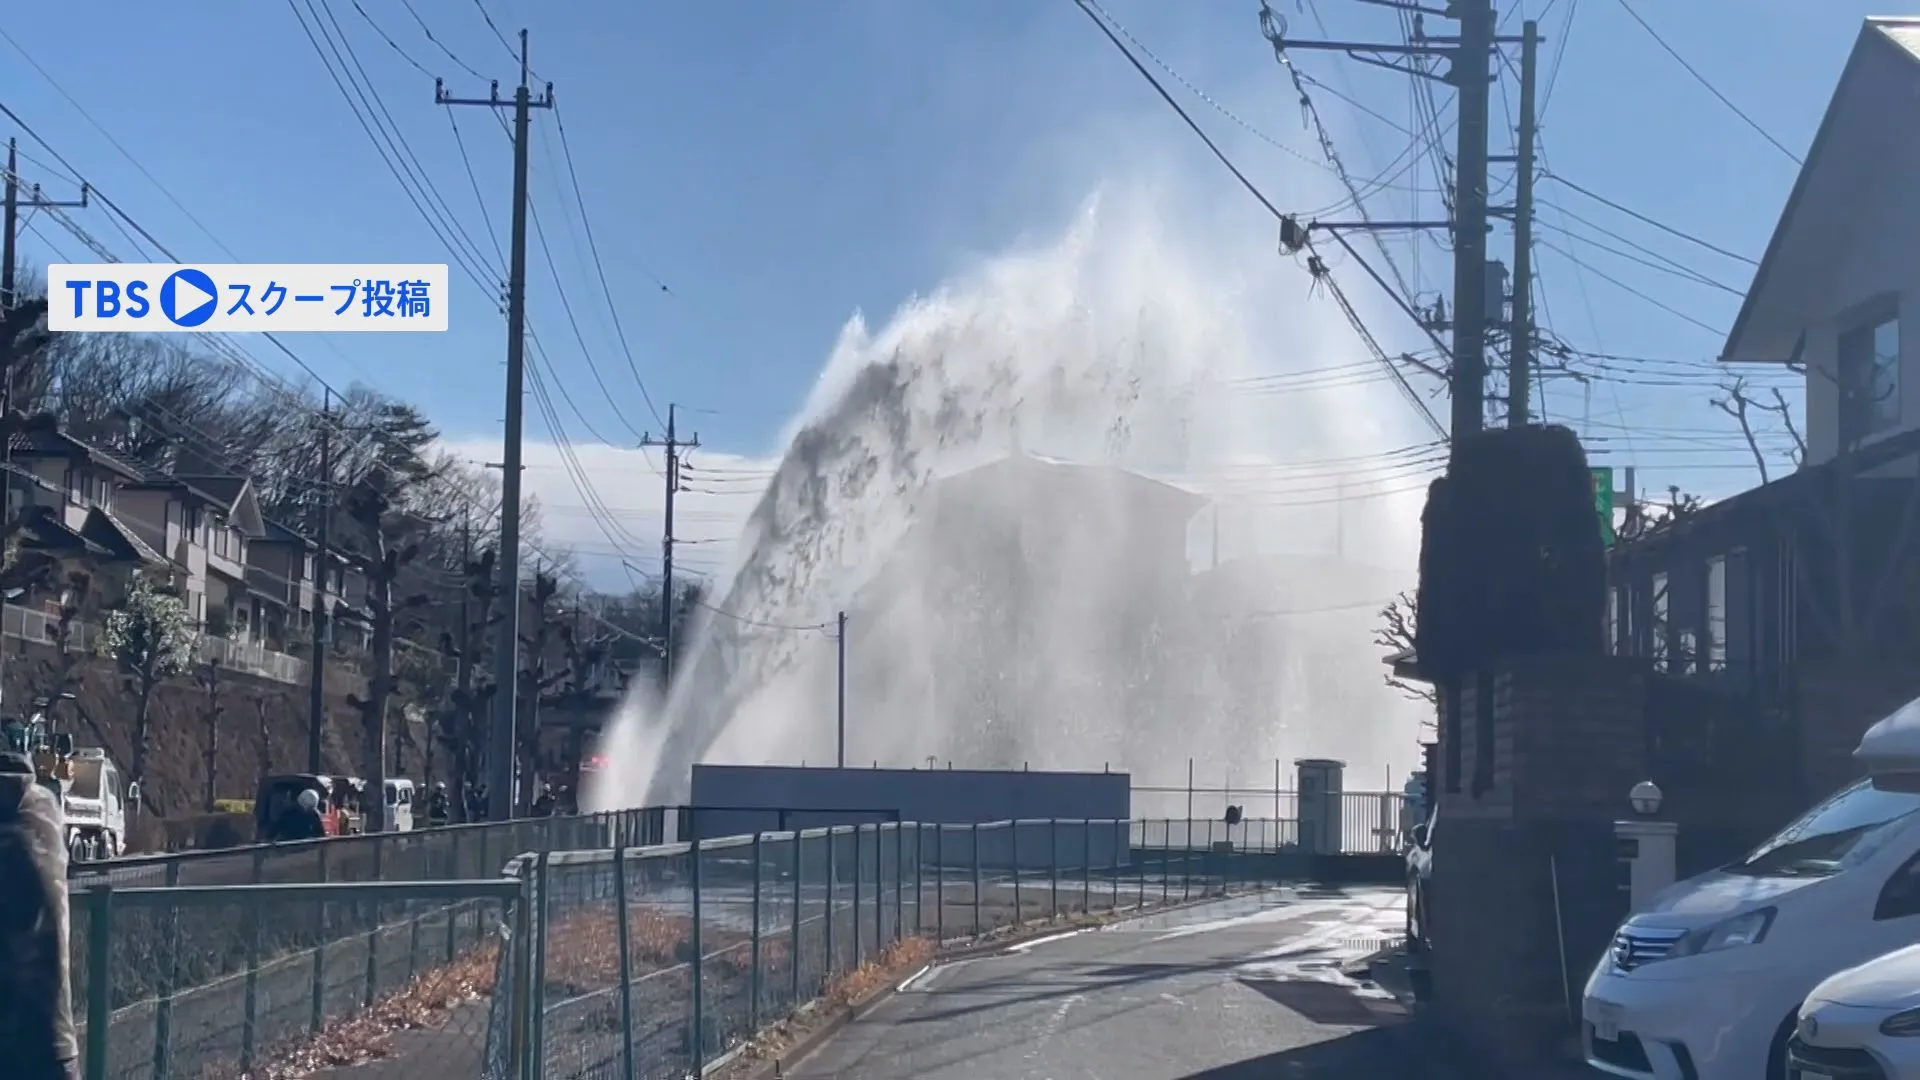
[(1708, 982), (1862, 1023)]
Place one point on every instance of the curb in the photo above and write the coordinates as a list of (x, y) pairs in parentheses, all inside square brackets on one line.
[(771, 1069)]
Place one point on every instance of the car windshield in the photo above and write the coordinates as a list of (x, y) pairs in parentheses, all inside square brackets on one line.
[(1839, 833)]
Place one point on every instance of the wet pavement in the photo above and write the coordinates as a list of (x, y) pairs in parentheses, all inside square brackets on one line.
[(1248, 988)]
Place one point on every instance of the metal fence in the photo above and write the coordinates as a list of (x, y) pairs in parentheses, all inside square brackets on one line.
[(655, 963), (620, 960), (479, 850), (231, 981)]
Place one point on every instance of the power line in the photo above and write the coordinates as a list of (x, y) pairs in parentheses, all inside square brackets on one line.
[(1703, 81), (1644, 219)]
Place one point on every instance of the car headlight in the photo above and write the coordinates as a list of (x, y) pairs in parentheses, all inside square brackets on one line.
[(1748, 929), (1902, 1025)]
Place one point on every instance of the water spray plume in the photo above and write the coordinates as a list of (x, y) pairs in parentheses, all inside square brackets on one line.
[(1049, 613)]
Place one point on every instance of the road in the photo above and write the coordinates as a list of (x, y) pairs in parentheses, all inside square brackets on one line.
[(1239, 990)]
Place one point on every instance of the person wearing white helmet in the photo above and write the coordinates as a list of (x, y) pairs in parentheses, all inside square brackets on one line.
[(302, 821)]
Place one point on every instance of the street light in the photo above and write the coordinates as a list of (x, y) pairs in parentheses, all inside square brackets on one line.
[(1646, 797)]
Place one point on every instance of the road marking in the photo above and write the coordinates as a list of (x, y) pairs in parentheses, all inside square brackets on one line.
[(1048, 940), (911, 979)]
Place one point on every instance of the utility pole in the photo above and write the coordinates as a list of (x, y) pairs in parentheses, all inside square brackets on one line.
[(10, 227), (323, 569), (500, 766), (1520, 329), (463, 670), (1470, 74), (1469, 57), (9, 242), (840, 697), (673, 446)]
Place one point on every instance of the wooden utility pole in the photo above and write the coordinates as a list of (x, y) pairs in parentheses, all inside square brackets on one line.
[(673, 445), (506, 660), (322, 571), (1520, 360)]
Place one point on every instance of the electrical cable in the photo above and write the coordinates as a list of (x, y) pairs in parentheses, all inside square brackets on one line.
[(1703, 81)]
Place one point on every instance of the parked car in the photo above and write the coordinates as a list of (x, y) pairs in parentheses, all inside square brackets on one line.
[(1863, 1022), (1419, 874), (1708, 982)]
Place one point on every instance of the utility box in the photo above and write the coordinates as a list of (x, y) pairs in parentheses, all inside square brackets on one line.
[(1319, 785)]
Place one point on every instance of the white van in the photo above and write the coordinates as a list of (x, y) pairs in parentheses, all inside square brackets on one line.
[(1708, 982), (399, 800)]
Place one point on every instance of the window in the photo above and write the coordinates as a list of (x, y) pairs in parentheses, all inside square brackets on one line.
[(1870, 378), (1613, 620), (1716, 635)]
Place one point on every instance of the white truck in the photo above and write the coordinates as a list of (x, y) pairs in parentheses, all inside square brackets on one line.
[(96, 804)]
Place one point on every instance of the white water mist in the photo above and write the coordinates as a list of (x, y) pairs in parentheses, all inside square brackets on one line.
[(1122, 342)]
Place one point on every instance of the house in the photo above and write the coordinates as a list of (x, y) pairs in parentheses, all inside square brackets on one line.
[(204, 524), (68, 492), (1813, 580), (280, 578)]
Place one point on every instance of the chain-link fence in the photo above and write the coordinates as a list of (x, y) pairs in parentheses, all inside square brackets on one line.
[(654, 963), (226, 982)]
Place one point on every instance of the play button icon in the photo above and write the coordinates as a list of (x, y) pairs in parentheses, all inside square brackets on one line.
[(188, 297)]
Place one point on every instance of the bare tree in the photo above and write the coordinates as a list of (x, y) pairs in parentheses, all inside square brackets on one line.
[(1396, 635), (372, 507), (1748, 411), (211, 709)]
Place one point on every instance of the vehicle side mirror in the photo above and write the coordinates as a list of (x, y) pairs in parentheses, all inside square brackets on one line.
[(1420, 834)]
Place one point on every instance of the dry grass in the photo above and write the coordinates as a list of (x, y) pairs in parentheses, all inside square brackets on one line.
[(842, 994), (582, 954)]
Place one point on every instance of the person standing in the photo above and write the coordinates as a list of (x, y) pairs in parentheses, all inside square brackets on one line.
[(37, 1038)]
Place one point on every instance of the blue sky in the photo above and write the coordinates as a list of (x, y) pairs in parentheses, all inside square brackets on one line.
[(777, 167)]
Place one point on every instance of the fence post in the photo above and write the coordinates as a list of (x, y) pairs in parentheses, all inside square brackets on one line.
[(99, 977), (793, 931), (1186, 859), (976, 879), (900, 880), (919, 879), (939, 881), (256, 927), (1207, 864), (858, 857), (753, 947), (1166, 867), (318, 1019), (833, 899), (1123, 844), (699, 966), (1086, 869), (623, 937), (373, 935), (1053, 869), (163, 1006), (543, 923), (1013, 851), (879, 893), (452, 912)]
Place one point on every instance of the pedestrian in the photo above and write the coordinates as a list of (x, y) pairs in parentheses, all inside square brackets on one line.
[(302, 821), (37, 1038)]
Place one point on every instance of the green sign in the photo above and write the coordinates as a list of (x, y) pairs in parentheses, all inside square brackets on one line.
[(1603, 502)]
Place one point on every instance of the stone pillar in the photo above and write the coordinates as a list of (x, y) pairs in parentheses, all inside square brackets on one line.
[(1649, 849), (1525, 878)]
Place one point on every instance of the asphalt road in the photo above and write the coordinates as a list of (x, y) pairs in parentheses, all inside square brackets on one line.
[(1244, 989)]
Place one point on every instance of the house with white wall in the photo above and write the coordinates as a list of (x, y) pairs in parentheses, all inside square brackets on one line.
[(1820, 566)]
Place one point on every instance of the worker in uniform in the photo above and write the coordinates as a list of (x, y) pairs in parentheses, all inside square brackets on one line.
[(37, 1040), (439, 806)]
